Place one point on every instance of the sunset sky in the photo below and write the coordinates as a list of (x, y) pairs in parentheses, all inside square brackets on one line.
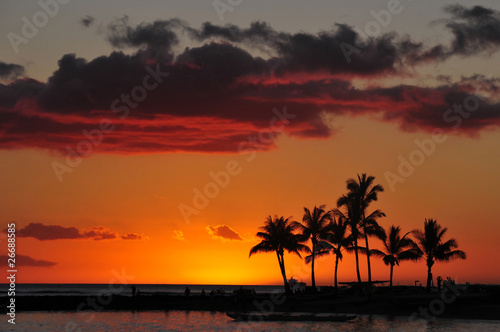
[(157, 136)]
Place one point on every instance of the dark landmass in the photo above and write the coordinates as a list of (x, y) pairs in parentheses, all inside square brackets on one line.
[(473, 302)]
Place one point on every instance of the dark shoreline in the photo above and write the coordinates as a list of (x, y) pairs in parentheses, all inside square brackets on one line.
[(483, 305)]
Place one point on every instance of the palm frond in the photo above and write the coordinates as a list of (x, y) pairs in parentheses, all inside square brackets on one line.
[(261, 247), (377, 253), (452, 255), (410, 254)]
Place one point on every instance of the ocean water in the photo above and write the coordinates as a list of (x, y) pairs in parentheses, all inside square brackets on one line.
[(93, 289), (216, 321)]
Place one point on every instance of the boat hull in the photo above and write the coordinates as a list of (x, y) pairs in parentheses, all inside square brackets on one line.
[(257, 316)]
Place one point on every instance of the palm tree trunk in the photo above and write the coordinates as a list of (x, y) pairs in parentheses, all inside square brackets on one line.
[(390, 282), (357, 259), (336, 268), (312, 272), (281, 262), (429, 278), (368, 260)]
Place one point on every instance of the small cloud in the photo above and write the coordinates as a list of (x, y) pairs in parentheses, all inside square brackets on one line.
[(160, 196), (134, 236), (100, 233), (22, 260), (87, 21), (223, 232), (178, 235), (43, 232), (10, 71)]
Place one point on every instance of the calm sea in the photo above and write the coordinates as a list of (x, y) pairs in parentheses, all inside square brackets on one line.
[(93, 289), (207, 321)]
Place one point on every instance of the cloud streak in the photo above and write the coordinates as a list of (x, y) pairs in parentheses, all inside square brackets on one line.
[(23, 260), (134, 236), (43, 232)]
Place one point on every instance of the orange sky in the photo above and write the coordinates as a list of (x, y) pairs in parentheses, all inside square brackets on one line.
[(456, 185), (122, 206)]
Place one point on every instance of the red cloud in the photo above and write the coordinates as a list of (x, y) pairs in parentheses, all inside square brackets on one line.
[(211, 98)]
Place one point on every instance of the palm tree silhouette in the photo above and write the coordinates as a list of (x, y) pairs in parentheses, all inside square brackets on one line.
[(396, 248), (433, 247), (314, 228), (337, 239), (360, 194), (277, 236), (368, 227), (351, 218)]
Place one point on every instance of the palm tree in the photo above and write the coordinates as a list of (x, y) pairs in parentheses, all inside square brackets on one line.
[(396, 248), (338, 238), (369, 226), (314, 228), (277, 236), (433, 247), (362, 192), (351, 219)]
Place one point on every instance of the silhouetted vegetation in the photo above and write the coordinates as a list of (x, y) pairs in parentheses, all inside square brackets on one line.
[(340, 229), (314, 227), (337, 240), (433, 248), (277, 236), (396, 248)]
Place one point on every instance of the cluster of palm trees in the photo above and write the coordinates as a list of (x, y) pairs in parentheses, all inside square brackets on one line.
[(342, 228)]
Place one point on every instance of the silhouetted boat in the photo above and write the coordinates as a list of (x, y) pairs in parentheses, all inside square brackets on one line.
[(295, 285), (290, 316)]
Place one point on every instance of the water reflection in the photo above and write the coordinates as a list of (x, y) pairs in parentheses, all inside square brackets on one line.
[(216, 321)]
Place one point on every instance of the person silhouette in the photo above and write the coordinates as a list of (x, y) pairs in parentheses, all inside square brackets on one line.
[(439, 280), (202, 292), (187, 291), (133, 290)]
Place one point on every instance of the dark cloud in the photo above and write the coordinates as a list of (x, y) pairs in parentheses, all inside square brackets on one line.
[(21, 89), (22, 260), (310, 52), (99, 233), (133, 236), (43, 232), (10, 71), (474, 30), (87, 21), (156, 39), (224, 232), (214, 97)]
